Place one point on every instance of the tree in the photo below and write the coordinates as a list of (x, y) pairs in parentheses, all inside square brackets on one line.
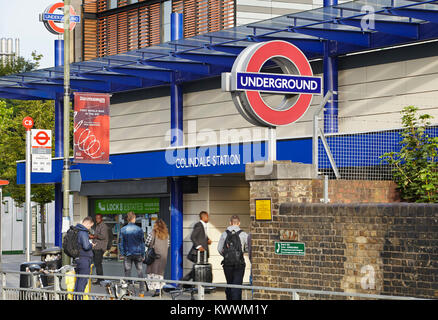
[(416, 164), (13, 138)]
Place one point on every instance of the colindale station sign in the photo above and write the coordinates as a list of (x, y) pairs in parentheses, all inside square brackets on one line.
[(297, 83)]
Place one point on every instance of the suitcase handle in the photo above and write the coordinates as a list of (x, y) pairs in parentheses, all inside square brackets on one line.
[(199, 256)]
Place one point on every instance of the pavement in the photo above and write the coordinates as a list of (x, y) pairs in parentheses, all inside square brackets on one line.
[(110, 268)]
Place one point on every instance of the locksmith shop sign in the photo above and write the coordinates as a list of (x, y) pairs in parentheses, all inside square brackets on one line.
[(296, 83)]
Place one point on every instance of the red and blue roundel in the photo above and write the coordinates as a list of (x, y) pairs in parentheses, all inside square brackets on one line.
[(296, 83), (53, 18)]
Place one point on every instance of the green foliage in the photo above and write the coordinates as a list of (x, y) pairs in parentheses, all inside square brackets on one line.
[(13, 134), (416, 164), (19, 65)]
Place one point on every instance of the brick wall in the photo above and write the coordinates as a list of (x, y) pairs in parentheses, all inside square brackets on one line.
[(389, 249)]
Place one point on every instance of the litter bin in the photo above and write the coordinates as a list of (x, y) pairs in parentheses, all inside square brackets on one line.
[(53, 260), (26, 279)]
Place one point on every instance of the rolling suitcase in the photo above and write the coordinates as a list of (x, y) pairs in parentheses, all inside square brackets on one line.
[(202, 270)]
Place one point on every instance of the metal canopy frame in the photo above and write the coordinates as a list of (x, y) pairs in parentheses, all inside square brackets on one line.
[(395, 22)]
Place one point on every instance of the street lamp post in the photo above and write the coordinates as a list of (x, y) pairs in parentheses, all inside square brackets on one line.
[(65, 172)]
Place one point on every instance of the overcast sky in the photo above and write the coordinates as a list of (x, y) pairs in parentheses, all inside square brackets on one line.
[(20, 19)]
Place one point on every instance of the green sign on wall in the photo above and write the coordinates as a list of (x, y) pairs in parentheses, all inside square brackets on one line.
[(123, 206), (290, 248)]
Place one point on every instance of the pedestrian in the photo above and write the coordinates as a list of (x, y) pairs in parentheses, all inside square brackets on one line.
[(232, 244), (200, 242), (132, 249), (159, 240), (83, 262), (100, 240)]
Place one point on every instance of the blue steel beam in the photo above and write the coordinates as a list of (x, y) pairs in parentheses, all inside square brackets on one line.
[(227, 49), (214, 59), (113, 78), (427, 15), (402, 29), (9, 95), (354, 37), (85, 84), (155, 74), (191, 67), (316, 45), (44, 87), (38, 94)]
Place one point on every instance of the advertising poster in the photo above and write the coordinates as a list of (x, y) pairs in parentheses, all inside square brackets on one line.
[(91, 127)]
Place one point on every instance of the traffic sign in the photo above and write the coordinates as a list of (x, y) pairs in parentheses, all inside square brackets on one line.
[(4, 183), (41, 150), (54, 22), (41, 138), (290, 248), (27, 123), (246, 83)]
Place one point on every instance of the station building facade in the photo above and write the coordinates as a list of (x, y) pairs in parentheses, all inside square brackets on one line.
[(373, 87)]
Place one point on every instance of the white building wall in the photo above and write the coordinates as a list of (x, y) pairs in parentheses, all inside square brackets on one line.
[(222, 197), (13, 220)]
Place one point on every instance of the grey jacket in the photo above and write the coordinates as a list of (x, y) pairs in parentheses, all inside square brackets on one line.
[(101, 232), (243, 239)]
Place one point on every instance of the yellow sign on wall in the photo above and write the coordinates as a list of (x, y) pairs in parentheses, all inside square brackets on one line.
[(263, 209)]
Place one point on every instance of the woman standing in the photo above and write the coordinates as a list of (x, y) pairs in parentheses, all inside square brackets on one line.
[(159, 239)]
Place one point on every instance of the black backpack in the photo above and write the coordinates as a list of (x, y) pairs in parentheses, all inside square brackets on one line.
[(110, 238), (70, 243), (233, 254)]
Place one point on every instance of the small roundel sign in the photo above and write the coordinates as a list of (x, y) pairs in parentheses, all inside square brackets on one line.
[(53, 18), (248, 85)]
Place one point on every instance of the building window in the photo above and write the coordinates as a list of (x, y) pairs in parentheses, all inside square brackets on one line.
[(112, 4)]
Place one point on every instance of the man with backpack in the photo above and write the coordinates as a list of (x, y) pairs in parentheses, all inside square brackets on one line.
[(232, 244), (101, 242), (83, 261)]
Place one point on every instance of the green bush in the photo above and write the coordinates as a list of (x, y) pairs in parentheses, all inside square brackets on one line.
[(415, 165)]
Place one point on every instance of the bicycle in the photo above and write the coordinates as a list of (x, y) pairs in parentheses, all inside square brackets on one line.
[(119, 290)]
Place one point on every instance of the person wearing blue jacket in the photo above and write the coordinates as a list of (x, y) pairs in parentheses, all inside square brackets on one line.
[(83, 262), (132, 248)]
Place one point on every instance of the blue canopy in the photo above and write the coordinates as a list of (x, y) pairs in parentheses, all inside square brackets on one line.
[(353, 26)]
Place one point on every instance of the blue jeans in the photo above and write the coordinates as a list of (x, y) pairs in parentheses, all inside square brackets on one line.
[(234, 275), (138, 261), (83, 265)]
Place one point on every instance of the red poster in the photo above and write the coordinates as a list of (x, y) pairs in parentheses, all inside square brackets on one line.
[(91, 127)]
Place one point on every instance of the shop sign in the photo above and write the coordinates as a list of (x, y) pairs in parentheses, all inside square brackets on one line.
[(246, 83), (53, 18), (91, 127), (123, 206), (290, 248)]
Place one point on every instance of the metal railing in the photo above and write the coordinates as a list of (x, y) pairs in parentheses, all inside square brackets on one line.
[(173, 289)]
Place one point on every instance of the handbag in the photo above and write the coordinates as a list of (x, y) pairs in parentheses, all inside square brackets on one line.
[(151, 255)]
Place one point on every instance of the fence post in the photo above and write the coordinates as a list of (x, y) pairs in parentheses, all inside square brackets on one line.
[(56, 286), (200, 292), (3, 285)]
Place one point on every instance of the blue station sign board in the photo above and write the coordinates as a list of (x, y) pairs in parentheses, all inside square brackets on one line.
[(278, 83), (59, 17)]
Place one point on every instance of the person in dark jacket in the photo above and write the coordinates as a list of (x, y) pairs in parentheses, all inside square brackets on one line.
[(200, 241), (100, 239), (132, 248), (83, 262)]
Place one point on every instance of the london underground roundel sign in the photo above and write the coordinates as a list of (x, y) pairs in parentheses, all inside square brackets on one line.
[(296, 83), (53, 18)]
